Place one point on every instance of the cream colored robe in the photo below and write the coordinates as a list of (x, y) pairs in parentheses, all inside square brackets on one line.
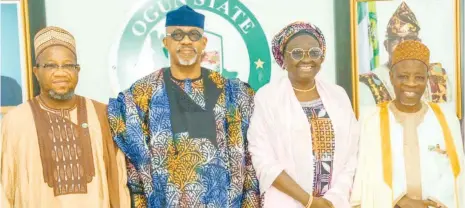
[(280, 140), (21, 168), (371, 189), (3, 201)]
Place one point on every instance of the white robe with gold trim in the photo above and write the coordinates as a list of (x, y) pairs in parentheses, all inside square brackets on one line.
[(370, 189)]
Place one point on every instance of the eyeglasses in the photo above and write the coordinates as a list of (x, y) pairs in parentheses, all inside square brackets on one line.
[(299, 53), (178, 35), (54, 67)]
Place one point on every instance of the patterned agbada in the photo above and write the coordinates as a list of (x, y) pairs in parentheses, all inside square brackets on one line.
[(167, 165)]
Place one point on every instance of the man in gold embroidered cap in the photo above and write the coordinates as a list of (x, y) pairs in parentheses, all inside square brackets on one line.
[(375, 86), (56, 149), (411, 152)]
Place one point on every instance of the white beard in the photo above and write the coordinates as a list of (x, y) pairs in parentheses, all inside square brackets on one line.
[(187, 62)]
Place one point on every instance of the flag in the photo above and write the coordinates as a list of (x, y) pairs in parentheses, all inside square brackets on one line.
[(367, 39)]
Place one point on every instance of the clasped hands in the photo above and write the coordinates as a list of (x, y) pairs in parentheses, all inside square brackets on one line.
[(407, 202)]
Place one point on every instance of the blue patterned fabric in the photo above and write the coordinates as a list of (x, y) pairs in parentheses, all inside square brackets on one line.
[(196, 174)]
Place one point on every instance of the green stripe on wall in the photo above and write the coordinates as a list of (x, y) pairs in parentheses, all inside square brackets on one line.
[(37, 21), (342, 46)]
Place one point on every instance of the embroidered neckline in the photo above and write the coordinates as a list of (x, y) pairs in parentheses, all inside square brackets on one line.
[(402, 116), (184, 80), (62, 112)]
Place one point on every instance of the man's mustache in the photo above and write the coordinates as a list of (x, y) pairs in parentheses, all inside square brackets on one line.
[(184, 47)]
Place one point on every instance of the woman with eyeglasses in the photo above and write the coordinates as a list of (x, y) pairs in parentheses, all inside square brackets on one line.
[(303, 133)]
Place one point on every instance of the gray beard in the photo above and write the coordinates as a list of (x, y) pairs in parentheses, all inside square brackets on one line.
[(67, 96)]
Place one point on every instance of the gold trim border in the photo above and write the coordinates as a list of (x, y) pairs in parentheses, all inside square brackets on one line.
[(27, 49), (354, 52), (458, 57), (24, 14)]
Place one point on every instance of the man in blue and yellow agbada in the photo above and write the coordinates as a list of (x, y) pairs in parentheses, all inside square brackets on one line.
[(183, 128)]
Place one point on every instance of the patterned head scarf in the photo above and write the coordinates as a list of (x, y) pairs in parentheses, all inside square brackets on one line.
[(281, 39), (411, 50), (402, 21), (51, 36)]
